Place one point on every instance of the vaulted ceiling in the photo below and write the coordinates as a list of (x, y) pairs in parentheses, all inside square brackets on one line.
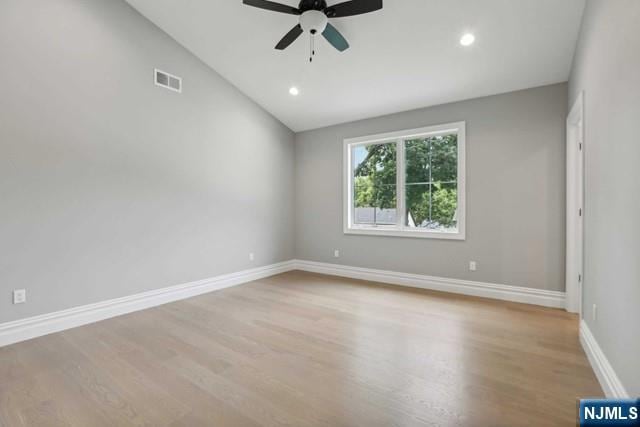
[(406, 56)]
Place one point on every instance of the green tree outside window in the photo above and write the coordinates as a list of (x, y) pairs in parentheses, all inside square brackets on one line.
[(430, 182)]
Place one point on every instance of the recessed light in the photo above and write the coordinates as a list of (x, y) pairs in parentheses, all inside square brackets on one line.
[(294, 91), (467, 39)]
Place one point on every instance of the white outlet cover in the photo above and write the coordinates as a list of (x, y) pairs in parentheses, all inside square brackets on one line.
[(336, 253), (252, 256), (19, 296), (473, 266)]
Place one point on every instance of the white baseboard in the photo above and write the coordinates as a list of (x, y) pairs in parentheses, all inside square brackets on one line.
[(609, 381), (24, 329), (479, 289), (32, 327)]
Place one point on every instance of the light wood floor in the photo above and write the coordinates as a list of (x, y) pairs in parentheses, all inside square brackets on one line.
[(305, 350)]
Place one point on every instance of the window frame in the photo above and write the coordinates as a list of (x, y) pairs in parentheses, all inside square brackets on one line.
[(399, 137)]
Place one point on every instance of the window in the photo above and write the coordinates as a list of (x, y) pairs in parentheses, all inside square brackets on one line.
[(408, 183)]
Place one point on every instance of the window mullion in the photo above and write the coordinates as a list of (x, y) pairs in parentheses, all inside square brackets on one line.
[(352, 188), (430, 180), (400, 178)]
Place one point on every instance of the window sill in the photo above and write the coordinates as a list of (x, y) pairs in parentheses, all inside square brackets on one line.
[(394, 232)]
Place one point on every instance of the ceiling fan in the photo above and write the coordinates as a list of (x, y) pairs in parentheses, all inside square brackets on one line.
[(314, 19)]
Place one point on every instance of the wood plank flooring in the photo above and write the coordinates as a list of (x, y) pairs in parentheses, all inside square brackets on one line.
[(301, 349)]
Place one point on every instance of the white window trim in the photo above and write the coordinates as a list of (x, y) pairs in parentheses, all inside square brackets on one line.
[(400, 230)]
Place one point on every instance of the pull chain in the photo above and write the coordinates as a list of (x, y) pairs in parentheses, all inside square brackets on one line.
[(312, 47)]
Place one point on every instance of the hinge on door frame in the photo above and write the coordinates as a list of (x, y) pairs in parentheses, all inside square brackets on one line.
[(580, 212), (579, 277), (580, 146)]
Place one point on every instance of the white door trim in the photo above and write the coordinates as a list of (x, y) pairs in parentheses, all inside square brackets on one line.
[(575, 207)]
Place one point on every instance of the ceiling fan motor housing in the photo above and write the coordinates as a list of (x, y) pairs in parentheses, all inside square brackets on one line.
[(312, 5), (313, 21)]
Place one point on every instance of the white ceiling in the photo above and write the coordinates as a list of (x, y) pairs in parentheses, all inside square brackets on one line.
[(403, 57)]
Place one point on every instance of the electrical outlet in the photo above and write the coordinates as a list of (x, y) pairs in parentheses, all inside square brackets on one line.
[(473, 266), (595, 312), (336, 253), (252, 256), (19, 296)]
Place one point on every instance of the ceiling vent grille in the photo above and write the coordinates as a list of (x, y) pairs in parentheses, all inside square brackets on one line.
[(168, 81)]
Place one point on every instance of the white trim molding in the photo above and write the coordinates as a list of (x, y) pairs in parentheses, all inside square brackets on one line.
[(541, 297), (32, 327), (609, 380), (575, 206)]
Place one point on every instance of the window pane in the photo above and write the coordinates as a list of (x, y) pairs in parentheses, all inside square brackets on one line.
[(433, 159), (432, 206), (431, 183), (417, 161), (444, 158), (374, 178)]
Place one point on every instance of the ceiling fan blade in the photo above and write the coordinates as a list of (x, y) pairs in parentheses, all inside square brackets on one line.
[(353, 7), (289, 38), (334, 37), (272, 6)]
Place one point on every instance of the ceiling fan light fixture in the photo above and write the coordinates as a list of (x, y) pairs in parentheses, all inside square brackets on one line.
[(313, 21)]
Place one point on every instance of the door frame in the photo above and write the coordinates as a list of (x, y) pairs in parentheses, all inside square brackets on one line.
[(575, 207)]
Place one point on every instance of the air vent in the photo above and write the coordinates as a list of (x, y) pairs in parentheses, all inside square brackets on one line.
[(168, 81)]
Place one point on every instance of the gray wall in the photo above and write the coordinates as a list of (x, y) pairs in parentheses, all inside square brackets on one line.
[(111, 186), (607, 69), (515, 193)]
